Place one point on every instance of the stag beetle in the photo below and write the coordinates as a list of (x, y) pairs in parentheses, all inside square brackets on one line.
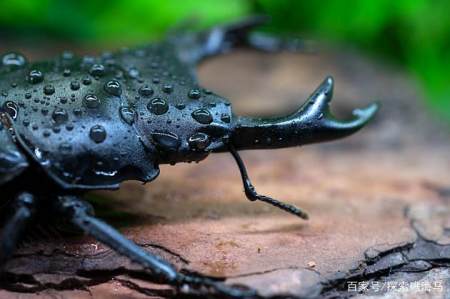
[(73, 124)]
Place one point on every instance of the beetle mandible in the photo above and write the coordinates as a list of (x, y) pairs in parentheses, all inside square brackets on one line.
[(72, 124)]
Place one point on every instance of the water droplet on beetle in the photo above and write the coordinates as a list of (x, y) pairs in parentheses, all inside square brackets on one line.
[(77, 111), (67, 55), (145, 91), (97, 133), (113, 87), (60, 116), (158, 106), (133, 72), (97, 70), (11, 108), (87, 60), (87, 81), (180, 106), (194, 94), (14, 60), (199, 141), (35, 76), (127, 114), (203, 116), (91, 101), (49, 89), (167, 88), (74, 85), (46, 133), (66, 73)]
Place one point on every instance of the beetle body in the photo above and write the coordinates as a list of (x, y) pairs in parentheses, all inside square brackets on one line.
[(73, 124), (94, 122)]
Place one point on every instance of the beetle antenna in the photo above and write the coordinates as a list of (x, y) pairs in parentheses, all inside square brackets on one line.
[(252, 195)]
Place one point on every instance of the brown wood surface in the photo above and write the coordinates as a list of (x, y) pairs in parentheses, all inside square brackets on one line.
[(378, 201)]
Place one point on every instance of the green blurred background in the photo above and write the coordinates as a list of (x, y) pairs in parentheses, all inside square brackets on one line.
[(413, 34)]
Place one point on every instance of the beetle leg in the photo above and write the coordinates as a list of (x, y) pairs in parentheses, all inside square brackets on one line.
[(81, 215), (24, 208), (252, 195), (222, 39)]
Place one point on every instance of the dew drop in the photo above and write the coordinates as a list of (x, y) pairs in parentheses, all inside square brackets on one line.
[(87, 81), (60, 116), (91, 101), (14, 60), (133, 72), (11, 108), (97, 133), (87, 60), (77, 111), (180, 106), (194, 94), (199, 141), (145, 91), (97, 70), (167, 88), (35, 76), (203, 116), (158, 106), (113, 87), (49, 89), (67, 55), (74, 85), (66, 73)]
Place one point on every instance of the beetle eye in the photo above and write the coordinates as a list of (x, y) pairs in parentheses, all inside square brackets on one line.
[(199, 141)]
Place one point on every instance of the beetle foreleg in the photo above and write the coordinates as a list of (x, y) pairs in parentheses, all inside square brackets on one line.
[(224, 38), (252, 195), (24, 208), (80, 214)]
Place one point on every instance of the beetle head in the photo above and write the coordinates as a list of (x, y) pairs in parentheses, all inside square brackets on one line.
[(189, 131), (185, 130)]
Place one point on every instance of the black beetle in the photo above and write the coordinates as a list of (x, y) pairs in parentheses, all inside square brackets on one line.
[(72, 124)]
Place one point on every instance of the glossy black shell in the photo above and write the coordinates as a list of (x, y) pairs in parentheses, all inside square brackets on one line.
[(93, 122)]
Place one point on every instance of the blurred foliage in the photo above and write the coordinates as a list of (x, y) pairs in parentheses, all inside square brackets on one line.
[(412, 33)]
